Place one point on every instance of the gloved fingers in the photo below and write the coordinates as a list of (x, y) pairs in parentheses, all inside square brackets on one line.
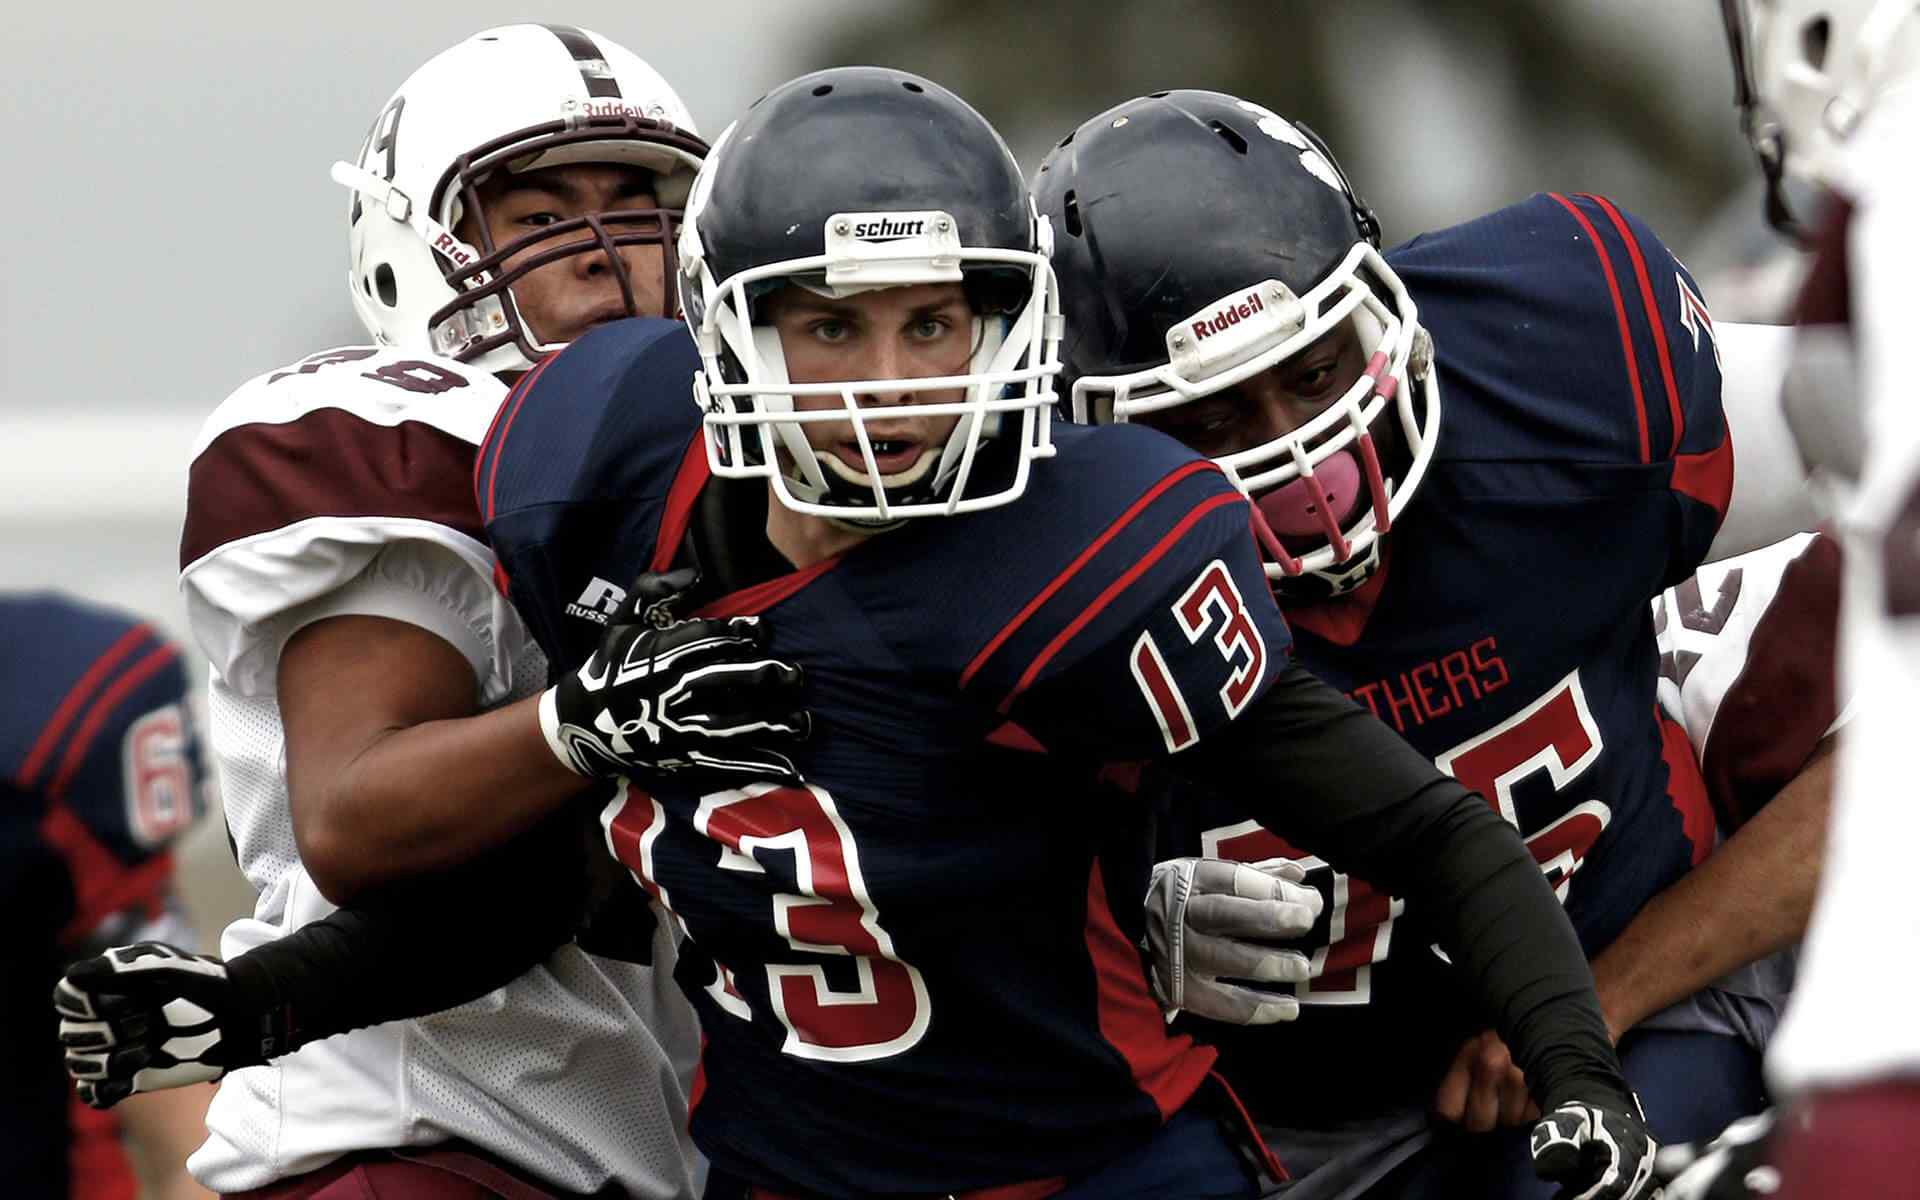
[(654, 594), (102, 1094), (1236, 1004), (1236, 959), (1277, 881), (1283, 916)]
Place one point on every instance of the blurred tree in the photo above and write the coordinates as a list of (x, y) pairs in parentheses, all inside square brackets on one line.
[(1440, 109)]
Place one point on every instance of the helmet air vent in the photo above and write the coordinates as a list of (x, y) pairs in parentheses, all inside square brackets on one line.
[(823, 89), (911, 86), (388, 286), (1813, 42), (1073, 214), (1229, 135)]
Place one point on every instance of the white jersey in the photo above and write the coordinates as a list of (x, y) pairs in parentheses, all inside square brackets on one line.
[(343, 484), (1853, 1017)]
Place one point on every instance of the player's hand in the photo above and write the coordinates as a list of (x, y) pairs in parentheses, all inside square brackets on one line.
[(145, 1017), (664, 694), (1595, 1152), (1483, 1089), (1733, 1166), (1209, 925)]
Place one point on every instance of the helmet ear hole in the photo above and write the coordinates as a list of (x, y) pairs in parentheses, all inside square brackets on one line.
[(389, 287), (1813, 42), (1072, 206)]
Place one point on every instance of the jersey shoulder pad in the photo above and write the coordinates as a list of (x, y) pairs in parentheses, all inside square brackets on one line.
[(1124, 554), (1747, 651), (579, 467), (1566, 331), (606, 417), (96, 722), (352, 433), (303, 475)]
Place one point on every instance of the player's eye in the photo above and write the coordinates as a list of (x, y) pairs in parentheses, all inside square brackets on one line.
[(541, 219), (930, 328), (829, 329)]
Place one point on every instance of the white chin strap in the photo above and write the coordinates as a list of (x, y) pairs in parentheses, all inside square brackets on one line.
[(400, 207)]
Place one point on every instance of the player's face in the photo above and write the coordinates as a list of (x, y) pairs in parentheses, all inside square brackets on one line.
[(917, 332), (564, 299), (1271, 404)]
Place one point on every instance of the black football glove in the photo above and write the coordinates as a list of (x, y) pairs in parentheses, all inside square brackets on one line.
[(663, 694), (1734, 1166), (1595, 1152), (149, 1016)]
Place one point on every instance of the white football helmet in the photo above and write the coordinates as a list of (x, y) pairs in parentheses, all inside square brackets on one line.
[(1807, 72), (515, 98)]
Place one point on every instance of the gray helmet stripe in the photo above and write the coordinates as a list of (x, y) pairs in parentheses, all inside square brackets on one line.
[(595, 71)]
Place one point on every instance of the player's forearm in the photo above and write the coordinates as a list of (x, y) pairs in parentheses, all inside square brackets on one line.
[(1750, 898), (432, 796), (418, 948)]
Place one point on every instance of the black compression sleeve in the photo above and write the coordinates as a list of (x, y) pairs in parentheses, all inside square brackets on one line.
[(415, 949), (1331, 779)]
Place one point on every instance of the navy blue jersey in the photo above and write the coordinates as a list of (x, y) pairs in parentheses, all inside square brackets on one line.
[(99, 770), (1582, 466), (912, 974)]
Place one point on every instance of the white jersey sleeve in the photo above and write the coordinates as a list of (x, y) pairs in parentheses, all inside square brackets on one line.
[(343, 484), (1747, 667)]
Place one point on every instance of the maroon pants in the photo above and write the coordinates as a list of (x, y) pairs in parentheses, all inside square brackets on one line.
[(451, 1171), (1860, 1143)]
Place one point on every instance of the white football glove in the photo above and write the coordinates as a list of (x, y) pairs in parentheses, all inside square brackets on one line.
[(1595, 1152), (1209, 927), (1732, 1166)]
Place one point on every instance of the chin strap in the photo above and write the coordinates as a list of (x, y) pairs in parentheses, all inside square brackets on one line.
[(400, 207)]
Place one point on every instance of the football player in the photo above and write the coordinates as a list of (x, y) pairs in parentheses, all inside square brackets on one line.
[(373, 700), (1828, 93), (1473, 461), (914, 957), (101, 770)]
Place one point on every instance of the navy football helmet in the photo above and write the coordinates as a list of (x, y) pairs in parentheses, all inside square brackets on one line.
[(1201, 240), (854, 180)]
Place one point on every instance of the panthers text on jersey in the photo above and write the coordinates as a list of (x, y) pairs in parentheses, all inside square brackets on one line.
[(342, 485), (1583, 465), (917, 972), (100, 770)]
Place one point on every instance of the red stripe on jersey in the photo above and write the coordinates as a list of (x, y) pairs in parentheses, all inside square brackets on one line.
[(1113, 589), (1654, 323), (762, 596), (697, 1090), (1782, 703), (691, 477), (142, 670), (1707, 477), (1169, 1068), (503, 421), (102, 885), (1620, 315), (70, 703), (1009, 736), (1686, 788), (97, 1164), (1059, 581), (259, 477)]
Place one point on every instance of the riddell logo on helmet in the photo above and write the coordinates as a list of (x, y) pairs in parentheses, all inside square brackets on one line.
[(614, 108), (452, 249), (885, 230), (1228, 315)]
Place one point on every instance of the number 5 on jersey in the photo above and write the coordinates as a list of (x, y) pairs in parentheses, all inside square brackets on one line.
[(1212, 603)]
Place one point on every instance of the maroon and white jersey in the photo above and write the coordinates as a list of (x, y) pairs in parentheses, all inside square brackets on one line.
[(1853, 1014), (342, 484), (1746, 667)]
